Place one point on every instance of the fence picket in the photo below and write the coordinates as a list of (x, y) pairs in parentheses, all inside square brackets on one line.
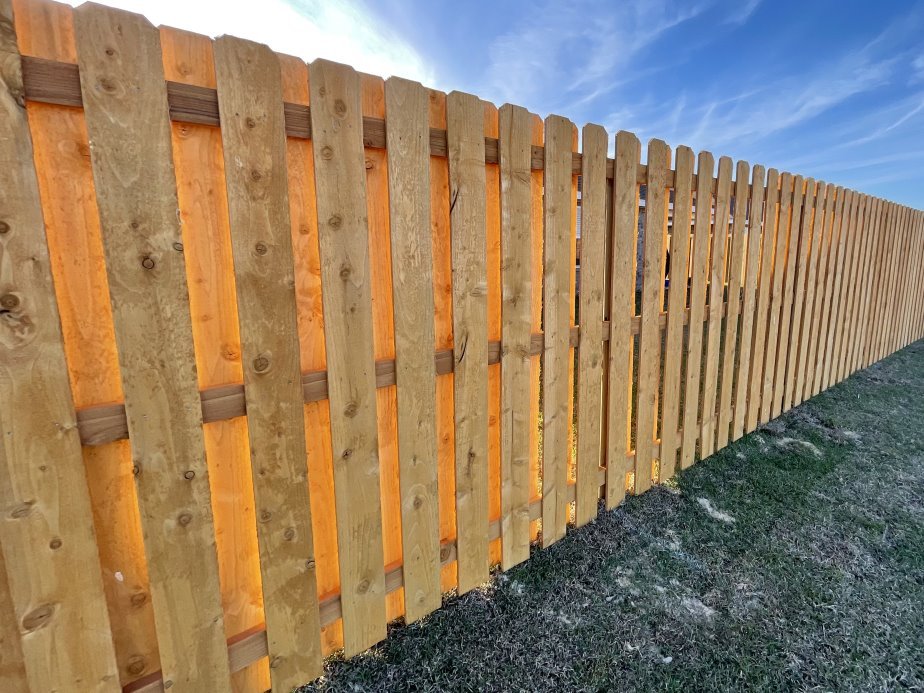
[(698, 289), (786, 239), (821, 328), (755, 231), (812, 216), (253, 134), (556, 323), (676, 298), (590, 355), (716, 300), (343, 238), (832, 334), (738, 242), (119, 54), (406, 105), (850, 334), (464, 120), (622, 309), (62, 630), (649, 349), (516, 266), (814, 290), (762, 317)]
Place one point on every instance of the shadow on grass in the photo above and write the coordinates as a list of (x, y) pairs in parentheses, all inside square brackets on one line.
[(793, 558)]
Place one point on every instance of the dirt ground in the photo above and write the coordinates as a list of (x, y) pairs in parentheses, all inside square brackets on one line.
[(791, 560)]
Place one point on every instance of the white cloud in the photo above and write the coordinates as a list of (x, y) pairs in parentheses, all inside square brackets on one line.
[(743, 12), (344, 30), (580, 45)]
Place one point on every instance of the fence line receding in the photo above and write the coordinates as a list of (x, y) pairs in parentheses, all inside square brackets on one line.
[(288, 352)]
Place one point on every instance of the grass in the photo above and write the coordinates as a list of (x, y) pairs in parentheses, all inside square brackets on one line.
[(815, 580)]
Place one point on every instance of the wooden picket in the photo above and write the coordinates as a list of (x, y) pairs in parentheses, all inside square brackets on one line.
[(291, 327)]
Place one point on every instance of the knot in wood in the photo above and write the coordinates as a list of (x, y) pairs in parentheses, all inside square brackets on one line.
[(250, 123), (22, 510), (136, 470), (309, 564), (289, 534), (178, 247), (136, 665), (336, 221), (260, 364), (327, 152), (347, 454), (260, 248), (345, 272), (265, 516), (362, 587), (4, 227), (418, 502), (340, 108), (37, 618), (148, 263), (255, 175), (189, 475), (350, 410), (106, 86), (9, 301), (370, 164), (55, 544), (138, 599), (275, 662), (184, 519)]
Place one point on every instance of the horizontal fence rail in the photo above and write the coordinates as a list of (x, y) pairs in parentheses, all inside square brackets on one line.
[(288, 352)]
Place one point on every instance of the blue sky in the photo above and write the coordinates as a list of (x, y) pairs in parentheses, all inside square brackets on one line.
[(829, 89)]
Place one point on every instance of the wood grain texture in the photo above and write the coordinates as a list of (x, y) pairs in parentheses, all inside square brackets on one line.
[(749, 314), (407, 106), (851, 291), (464, 121), (699, 264), (649, 367), (814, 295), (738, 243), (125, 106), (676, 304), (517, 268), (65, 178), (556, 323), (591, 355), (51, 585), (780, 264), (800, 186), (828, 328), (716, 290), (199, 167), (812, 215), (622, 310), (343, 238), (761, 333), (253, 135)]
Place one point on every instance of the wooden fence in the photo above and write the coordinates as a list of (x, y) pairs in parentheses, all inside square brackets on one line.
[(270, 374)]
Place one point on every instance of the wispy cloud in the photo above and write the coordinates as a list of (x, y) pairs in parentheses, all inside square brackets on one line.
[(581, 45), (344, 31), (743, 13)]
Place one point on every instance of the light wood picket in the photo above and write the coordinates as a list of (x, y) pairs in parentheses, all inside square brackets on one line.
[(591, 356), (465, 116), (343, 237), (412, 280), (763, 334), (137, 201), (698, 289), (51, 586)]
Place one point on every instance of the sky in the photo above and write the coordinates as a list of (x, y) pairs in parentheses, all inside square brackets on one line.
[(832, 89)]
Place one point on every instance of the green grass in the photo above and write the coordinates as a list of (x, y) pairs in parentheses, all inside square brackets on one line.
[(817, 583)]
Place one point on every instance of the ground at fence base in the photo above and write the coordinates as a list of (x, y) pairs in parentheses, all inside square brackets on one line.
[(790, 559)]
